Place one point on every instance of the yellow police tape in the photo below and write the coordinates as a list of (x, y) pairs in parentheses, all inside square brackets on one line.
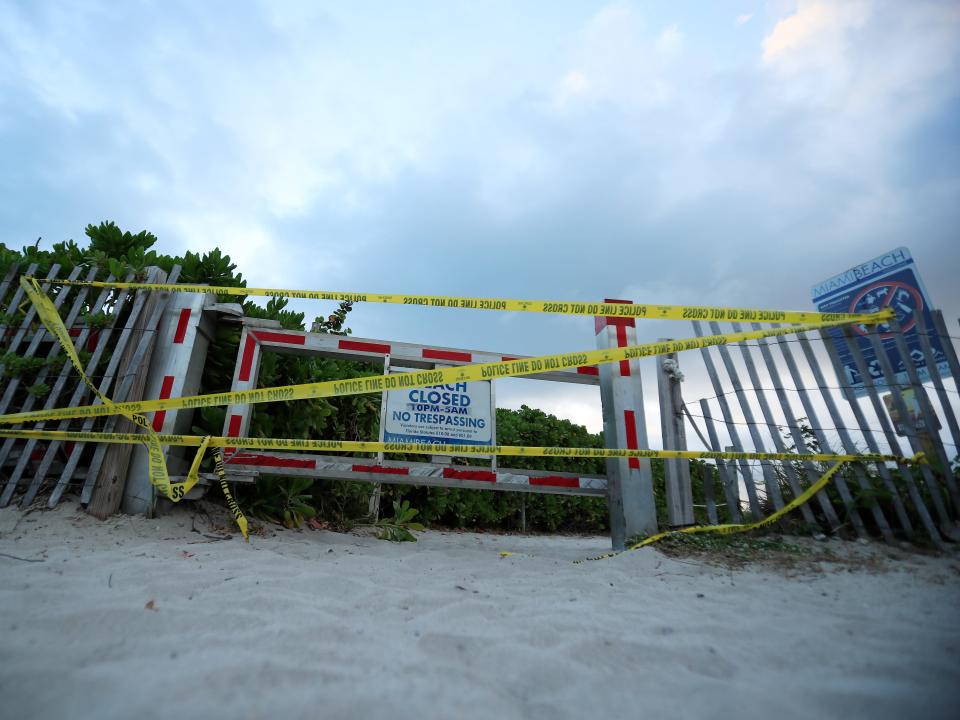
[(157, 465), (552, 307), (255, 443), (738, 527), (416, 379)]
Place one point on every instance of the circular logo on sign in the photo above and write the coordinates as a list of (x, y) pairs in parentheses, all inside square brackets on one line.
[(905, 300)]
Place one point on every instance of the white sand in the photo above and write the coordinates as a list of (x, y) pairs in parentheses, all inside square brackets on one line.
[(322, 625)]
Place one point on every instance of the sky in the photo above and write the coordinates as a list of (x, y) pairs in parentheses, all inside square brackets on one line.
[(714, 153)]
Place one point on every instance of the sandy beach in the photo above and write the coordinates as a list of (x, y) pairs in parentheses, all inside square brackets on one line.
[(150, 618)]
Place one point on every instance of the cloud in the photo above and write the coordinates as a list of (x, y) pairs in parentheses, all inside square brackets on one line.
[(744, 19)]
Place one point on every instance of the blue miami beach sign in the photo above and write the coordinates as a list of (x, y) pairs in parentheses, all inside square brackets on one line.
[(888, 281), (457, 414)]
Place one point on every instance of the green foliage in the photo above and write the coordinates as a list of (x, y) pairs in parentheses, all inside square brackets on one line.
[(98, 320), (400, 527), (283, 501), (16, 366), (38, 390)]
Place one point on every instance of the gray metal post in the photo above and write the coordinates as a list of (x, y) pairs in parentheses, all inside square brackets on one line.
[(676, 473), (373, 506), (708, 494), (798, 439), (730, 490), (793, 478), (731, 427), (630, 497), (845, 439), (914, 439), (861, 364), (852, 511)]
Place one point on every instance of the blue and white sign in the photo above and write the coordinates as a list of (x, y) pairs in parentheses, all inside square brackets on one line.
[(458, 414), (888, 281)]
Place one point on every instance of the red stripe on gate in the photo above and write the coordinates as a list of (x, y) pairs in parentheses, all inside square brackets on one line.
[(275, 337), (556, 481), (629, 418), (182, 326), (600, 322), (378, 348), (160, 415), (380, 469), (234, 429), (622, 342), (480, 475), (429, 354), (273, 461), (93, 340), (588, 370), (246, 362), (506, 358)]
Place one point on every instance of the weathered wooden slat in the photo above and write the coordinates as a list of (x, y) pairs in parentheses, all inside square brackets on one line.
[(846, 441), (923, 334), (929, 417), (105, 385), (731, 427), (12, 306), (708, 494), (811, 413), (67, 374), (7, 279), (946, 342), (103, 489), (769, 476), (865, 427), (24, 326), (729, 483), (793, 479), (799, 441), (29, 402), (891, 380)]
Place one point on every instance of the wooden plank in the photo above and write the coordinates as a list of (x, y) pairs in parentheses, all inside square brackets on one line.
[(924, 333), (799, 441), (865, 426), (30, 400), (946, 342), (769, 476), (728, 481), (67, 373), (890, 378), (15, 301), (731, 427), (708, 494), (793, 478), (81, 390), (7, 279), (845, 439), (929, 417), (110, 474), (811, 413)]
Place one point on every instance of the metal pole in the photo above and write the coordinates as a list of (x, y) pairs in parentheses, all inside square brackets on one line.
[(731, 428), (676, 472)]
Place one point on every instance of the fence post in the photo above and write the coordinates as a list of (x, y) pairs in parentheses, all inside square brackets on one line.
[(731, 491), (676, 472), (630, 498)]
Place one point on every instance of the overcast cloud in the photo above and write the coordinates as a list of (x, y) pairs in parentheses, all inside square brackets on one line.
[(727, 153)]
